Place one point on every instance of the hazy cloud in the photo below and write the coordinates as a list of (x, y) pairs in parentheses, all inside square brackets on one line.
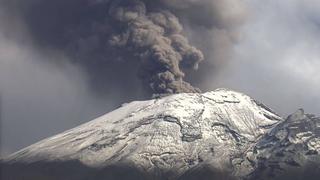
[(277, 60)]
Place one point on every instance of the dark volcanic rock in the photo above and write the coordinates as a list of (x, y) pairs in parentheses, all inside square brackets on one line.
[(290, 150)]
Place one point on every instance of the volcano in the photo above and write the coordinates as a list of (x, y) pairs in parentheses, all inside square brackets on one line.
[(220, 134)]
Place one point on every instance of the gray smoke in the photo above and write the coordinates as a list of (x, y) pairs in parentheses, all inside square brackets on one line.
[(156, 39), (125, 39), (151, 39)]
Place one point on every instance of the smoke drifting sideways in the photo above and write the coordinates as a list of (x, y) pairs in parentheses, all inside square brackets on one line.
[(117, 41), (38, 96)]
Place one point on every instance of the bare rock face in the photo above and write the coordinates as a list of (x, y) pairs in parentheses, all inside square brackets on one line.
[(215, 135), (290, 150)]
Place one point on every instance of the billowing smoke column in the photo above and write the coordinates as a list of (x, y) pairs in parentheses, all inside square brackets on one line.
[(156, 39), (112, 40), (149, 34)]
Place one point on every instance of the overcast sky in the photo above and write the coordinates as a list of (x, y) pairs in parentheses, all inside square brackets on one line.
[(278, 59), (274, 60)]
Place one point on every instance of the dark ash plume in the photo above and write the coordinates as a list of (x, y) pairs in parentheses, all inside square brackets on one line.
[(156, 39), (153, 39), (115, 39), (151, 35)]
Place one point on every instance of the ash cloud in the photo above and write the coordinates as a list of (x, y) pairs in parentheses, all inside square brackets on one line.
[(150, 38), (131, 39), (156, 40)]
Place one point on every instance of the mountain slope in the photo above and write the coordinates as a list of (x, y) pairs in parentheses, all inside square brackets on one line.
[(290, 150), (167, 138)]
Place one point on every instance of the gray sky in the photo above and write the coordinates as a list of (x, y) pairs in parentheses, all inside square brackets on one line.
[(275, 60), (278, 58)]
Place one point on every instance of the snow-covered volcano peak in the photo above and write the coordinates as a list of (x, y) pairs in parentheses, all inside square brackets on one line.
[(176, 132), (178, 137)]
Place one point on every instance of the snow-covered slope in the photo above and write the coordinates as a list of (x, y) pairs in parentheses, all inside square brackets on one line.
[(168, 137)]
